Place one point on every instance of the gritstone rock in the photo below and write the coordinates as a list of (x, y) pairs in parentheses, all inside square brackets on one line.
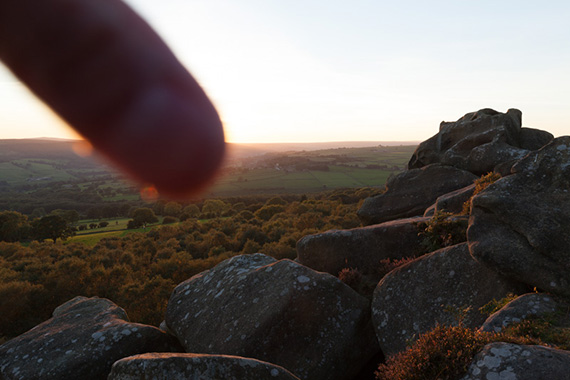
[(82, 341), (532, 304), (505, 361), (196, 367), (410, 193), (519, 225), (479, 141), (415, 297), (276, 311), (451, 202), (360, 248)]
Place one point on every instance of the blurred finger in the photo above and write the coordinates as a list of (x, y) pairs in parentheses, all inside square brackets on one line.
[(108, 74)]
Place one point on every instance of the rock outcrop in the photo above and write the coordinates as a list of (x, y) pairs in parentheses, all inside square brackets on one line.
[(479, 141), (532, 304), (519, 225), (276, 311), (451, 202), (82, 341), (360, 248), (519, 362), (431, 290), (195, 366), (410, 193)]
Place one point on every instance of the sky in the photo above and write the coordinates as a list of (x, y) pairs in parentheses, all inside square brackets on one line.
[(315, 70)]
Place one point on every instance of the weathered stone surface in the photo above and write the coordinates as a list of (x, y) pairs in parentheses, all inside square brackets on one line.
[(519, 225), (276, 311), (487, 157), (534, 139), (410, 193), (82, 341), (196, 367), (360, 248), (415, 297), (531, 304), (498, 361), (451, 202), (479, 141)]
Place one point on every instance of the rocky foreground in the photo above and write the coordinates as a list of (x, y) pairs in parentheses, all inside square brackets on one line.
[(253, 317)]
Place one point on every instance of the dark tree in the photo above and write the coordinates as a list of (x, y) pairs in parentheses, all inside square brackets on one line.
[(70, 216), (13, 226), (51, 227), (141, 217)]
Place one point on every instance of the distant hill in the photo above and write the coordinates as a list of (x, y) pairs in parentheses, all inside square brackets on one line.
[(48, 148), (48, 173), (238, 150)]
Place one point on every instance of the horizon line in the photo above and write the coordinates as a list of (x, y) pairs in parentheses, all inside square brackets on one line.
[(242, 142)]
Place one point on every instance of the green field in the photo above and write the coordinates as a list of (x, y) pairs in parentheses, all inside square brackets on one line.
[(116, 228), (345, 167), (41, 174)]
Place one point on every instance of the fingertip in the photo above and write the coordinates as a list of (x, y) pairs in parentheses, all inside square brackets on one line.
[(106, 72), (168, 139)]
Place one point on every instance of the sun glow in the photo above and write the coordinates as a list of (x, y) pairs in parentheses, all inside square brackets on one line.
[(287, 71)]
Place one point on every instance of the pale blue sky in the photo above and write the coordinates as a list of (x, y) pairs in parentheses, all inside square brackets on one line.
[(361, 70)]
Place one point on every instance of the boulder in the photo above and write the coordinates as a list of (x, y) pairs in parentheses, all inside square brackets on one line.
[(534, 139), (82, 340), (519, 362), (276, 311), (410, 193), (479, 141), (434, 289), (195, 366), (360, 248), (519, 225), (451, 202), (532, 304)]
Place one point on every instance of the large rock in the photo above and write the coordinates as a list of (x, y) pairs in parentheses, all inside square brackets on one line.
[(451, 202), (195, 366), (518, 362), (532, 304), (534, 139), (410, 193), (276, 311), (360, 248), (519, 225), (82, 341), (479, 141), (415, 297)]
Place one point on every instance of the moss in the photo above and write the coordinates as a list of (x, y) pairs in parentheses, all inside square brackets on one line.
[(495, 305), (552, 329)]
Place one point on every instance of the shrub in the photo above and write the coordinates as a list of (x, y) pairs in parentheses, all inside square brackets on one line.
[(444, 353), (351, 277), (168, 220), (266, 212), (442, 230), (387, 265), (480, 185)]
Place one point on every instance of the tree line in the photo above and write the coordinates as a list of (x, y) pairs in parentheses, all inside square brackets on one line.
[(140, 270)]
